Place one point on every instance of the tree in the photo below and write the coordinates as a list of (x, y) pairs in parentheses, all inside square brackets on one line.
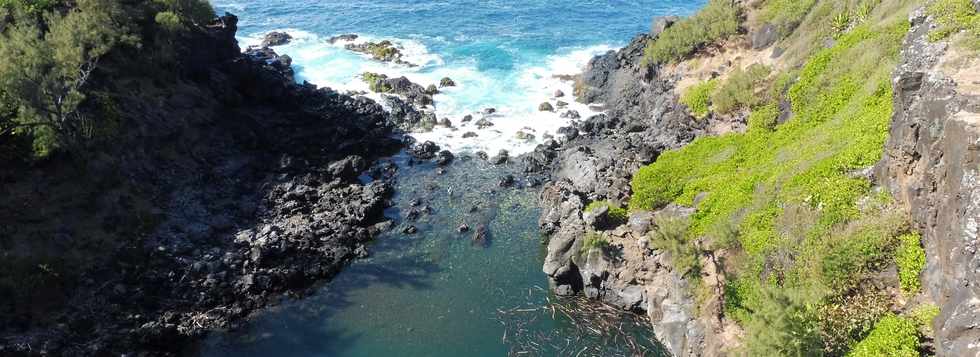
[(44, 67)]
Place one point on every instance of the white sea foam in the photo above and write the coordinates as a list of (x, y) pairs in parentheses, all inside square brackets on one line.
[(515, 94)]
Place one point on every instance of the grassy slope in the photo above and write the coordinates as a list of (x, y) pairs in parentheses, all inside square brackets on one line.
[(809, 228)]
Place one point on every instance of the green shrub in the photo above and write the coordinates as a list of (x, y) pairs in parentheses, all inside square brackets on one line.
[(790, 189), (43, 69), (169, 21), (924, 316), (892, 336), (618, 215), (764, 118), (195, 12), (742, 89), (718, 20), (911, 260), (697, 98), (784, 324), (846, 320), (670, 235), (953, 16), (593, 241), (785, 15)]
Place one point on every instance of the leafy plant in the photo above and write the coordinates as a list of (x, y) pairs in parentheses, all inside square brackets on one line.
[(718, 20), (953, 16), (911, 260), (742, 90), (593, 241), (892, 336), (618, 215), (670, 235), (697, 98), (840, 23)]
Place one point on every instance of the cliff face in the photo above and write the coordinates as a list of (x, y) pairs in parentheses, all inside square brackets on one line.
[(596, 162), (226, 187), (931, 164)]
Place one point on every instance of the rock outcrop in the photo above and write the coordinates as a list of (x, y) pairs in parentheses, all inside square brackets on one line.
[(931, 165), (384, 51), (595, 161), (227, 189)]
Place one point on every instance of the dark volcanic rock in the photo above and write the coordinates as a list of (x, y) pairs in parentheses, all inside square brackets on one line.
[(345, 38), (240, 184), (930, 165), (595, 161), (276, 39)]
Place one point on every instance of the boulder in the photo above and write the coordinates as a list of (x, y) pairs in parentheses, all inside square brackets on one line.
[(571, 114), (483, 123), (444, 158), (276, 39), (661, 23), (345, 38), (431, 90), (764, 36), (446, 82), (521, 135), (467, 118), (489, 111), (500, 158), (469, 134), (559, 93), (561, 104), (446, 123), (546, 107)]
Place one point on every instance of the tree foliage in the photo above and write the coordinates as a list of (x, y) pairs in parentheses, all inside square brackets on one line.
[(50, 50)]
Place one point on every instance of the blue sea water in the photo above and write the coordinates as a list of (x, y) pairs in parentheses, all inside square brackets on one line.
[(502, 54), (437, 293)]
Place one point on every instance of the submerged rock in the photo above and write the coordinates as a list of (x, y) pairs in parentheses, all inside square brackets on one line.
[(345, 38)]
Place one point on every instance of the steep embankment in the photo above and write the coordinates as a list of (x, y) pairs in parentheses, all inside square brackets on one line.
[(767, 232), (225, 187), (931, 165)]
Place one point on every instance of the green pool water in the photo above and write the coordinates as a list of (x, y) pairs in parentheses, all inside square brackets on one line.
[(439, 293)]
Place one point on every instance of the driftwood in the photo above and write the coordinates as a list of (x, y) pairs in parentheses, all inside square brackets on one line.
[(582, 327)]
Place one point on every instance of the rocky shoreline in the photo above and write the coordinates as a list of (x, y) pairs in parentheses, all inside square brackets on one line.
[(595, 162), (251, 186)]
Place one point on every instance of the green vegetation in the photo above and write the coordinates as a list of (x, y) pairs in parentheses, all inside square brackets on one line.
[(618, 215), (785, 15), (744, 89), (845, 320), (378, 83), (593, 241), (51, 50), (924, 316), (715, 22), (911, 260), (953, 16), (893, 336), (670, 235), (804, 244), (697, 98)]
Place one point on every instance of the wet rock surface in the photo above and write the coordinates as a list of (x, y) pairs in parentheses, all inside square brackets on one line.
[(243, 186)]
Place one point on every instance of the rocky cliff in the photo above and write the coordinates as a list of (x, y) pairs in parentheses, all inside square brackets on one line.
[(931, 166), (595, 162), (227, 187)]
